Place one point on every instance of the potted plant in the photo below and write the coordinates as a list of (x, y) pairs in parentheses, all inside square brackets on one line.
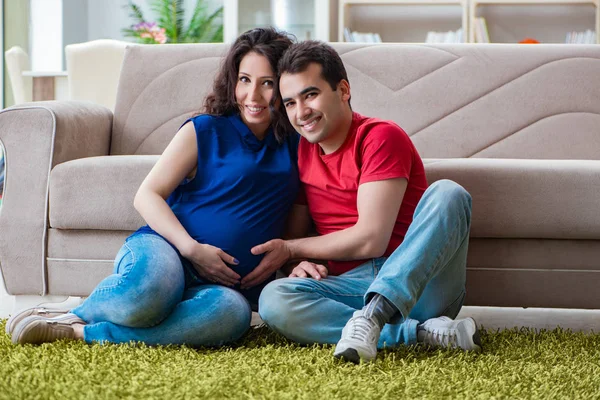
[(169, 24)]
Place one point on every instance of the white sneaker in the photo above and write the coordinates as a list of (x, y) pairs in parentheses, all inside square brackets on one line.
[(36, 329), (359, 339), (43, 311), (446, 332)]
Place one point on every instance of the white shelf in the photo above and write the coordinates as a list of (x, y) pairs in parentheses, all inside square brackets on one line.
[(460, 17), (355, 20), (538, 2), (400, 2), (474, 5)]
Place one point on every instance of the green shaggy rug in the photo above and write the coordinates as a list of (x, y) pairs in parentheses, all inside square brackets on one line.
[(522, 363)]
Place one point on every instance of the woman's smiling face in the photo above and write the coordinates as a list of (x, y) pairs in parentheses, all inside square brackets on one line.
[(254, 91)]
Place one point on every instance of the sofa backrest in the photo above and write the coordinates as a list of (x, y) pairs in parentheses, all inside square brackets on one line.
[(456, 101)]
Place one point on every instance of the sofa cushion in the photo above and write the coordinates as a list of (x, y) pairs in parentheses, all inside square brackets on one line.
[(82, 256), (543, 199), (98, 192)]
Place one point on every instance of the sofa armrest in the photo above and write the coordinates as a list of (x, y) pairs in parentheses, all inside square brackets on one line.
[(36, 137)]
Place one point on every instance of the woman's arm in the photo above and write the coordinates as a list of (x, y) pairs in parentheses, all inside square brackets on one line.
[(178, 161)]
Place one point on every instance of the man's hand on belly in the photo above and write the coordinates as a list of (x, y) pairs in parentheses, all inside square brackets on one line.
[(276, 253)]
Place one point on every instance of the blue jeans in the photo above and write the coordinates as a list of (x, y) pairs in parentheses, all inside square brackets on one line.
[(424, 278), (154, 296)]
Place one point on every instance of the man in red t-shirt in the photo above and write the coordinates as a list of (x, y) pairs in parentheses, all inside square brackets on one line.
[(396, 249)]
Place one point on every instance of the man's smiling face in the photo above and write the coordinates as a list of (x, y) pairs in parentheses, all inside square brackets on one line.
[(314, 109)]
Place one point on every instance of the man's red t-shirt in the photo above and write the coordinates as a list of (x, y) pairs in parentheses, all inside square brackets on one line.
[(374, 150)]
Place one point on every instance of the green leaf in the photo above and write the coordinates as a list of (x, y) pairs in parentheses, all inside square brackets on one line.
[(203, 27), (218, 36), (170, 17), (135, 12), (128, 32), (196, 21)]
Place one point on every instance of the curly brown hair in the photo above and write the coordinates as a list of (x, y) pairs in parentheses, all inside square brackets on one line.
[(269, 43)]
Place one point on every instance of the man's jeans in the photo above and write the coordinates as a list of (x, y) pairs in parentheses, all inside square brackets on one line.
[(424, 278), (153, 297)]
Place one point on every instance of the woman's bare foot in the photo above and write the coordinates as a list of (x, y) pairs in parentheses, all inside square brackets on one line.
[(78, 331)]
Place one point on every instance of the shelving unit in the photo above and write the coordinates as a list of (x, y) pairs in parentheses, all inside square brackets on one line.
[(508, 20), (589, 18), (307, 19), (402, 20)]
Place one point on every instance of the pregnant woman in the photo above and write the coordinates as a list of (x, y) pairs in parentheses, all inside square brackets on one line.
[(224, 184)]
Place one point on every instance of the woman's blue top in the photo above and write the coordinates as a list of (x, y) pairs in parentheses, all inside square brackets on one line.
[(243, 189)]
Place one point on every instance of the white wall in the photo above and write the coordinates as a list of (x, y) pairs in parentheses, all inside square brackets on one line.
[(46, 35), (106, 18), (74, 29)]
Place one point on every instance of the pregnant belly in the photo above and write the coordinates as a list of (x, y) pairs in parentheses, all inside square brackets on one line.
[(235, 240)]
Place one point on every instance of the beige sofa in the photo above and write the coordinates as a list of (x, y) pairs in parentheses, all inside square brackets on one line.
[(517, 125)]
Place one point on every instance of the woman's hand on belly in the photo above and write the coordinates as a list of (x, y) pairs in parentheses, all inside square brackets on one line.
[(210, 261)]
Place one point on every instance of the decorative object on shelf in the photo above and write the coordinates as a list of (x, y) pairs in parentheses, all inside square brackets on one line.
[(543, 22), (361, 37), (403, 20), (507, 20), (587, 37), (456, 36), (529, 41), (169, 26), (481, 31)]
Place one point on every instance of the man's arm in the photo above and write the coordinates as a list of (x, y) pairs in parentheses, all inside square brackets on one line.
[(378, 204)]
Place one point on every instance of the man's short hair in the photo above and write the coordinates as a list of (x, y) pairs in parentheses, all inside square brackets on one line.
[(299, 56)]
